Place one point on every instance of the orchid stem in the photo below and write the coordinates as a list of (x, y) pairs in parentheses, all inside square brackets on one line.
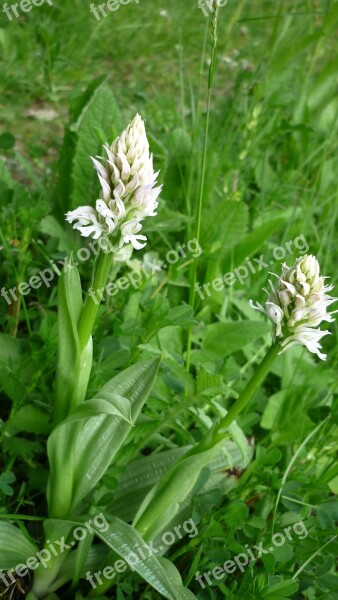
[(93, 300), (252, 387)]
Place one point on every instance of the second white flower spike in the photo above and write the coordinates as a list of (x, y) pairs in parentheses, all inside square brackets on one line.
[(297, 305)]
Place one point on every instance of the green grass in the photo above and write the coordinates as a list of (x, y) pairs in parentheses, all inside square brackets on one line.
[(270, 177)]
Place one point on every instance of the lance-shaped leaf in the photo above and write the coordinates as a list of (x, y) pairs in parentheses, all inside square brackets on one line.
[(118, 407), (125, 542), (161, 574), (81, 449), (15, 548), (96, 556), (101, 438), (142, 474), (164, 500), (73, 366), (62, 459), (171, 494)]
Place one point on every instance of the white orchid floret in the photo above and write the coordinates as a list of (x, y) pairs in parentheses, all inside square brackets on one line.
[(298, 304), (129, 235), (308, 337), (128, 191), (87, 221)]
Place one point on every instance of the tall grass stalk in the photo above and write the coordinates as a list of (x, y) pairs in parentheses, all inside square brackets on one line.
[(193, 275)]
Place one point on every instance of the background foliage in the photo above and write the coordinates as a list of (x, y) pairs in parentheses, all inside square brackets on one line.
[(69, 84)]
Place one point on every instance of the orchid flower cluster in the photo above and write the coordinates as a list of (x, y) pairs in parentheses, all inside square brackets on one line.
[(128, 192), (297, 305)]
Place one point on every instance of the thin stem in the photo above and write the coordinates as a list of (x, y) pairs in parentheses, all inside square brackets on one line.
[(252, 387), (203, 169), (299, 502), (290, 465), (312, 557), (93, 300)]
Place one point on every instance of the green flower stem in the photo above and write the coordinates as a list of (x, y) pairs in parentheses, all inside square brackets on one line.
[(93, 300), (161, 502), (252, 387)]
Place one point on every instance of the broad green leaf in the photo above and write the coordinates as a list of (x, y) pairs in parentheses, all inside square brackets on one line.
[(179, 371), (95, 110), (160, 574), (223, 339), (251, 243), (117, 407), (173, 574), (98, 115), (282, 589), (333, 485), (164, 500), (328, 514), (6, 479), (31, 419), (180, 315), (286, 415), (101, 438), (273, 410), (269, 562), (208, 382), (69, 309), (51, 227), (81, 451), (123, 539), (283, 553), (142, 474), (15, 367), (268, 457), (215, 479), (15, 548)]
